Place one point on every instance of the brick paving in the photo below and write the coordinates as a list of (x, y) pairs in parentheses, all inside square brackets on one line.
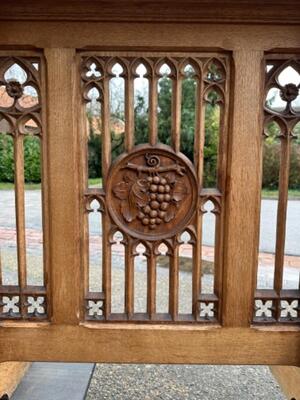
[(34, 238)]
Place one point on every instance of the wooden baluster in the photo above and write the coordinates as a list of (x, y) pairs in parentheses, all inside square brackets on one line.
[(106, 140), (153, 93), (176, 110), (129, 279), (129, 110), (20, 217), (281, 217), (173, 282), (151, 284), (198, 163)]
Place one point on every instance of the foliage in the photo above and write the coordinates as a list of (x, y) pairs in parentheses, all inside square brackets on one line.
[(271, 158), (271, 161), (6, 158), (32, 161)]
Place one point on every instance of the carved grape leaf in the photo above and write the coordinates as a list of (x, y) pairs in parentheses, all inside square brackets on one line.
[(180, 191), (128, 213), (129, 177), (139, 192), (169, 215), (121, 190)]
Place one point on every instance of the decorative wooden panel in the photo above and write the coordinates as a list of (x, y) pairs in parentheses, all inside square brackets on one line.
[(152, 193), (278, 304), (21, 104)]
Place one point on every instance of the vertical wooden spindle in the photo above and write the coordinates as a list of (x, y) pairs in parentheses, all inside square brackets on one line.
[(129, 111), (281, 216), (176, 111), (129, 280), (153, 93), (20, 217), (173, 286), (151, 274)]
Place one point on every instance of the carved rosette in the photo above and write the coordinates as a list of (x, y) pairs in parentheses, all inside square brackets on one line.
[(152, 192)]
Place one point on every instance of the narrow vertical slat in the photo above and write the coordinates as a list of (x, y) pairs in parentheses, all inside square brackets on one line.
[(173, 285), (176, 111), (129, 111), (129, 280), (151, 297), (199, 131), (243, 189), (62, 149), (106, 140), (106, 268), (221, 182), (106, 161), (83, 126), (44, 185), (86, 249), (281, 215), (198, 163), (20, 216), (197, 263), (153, 93), (221, 185), (218, 252)]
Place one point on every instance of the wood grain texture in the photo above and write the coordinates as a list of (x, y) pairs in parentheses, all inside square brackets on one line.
[(65, 338), (289, 380), (157, 344), (150, 36), (230, 11), (243, 190), (63, 186), (11, 373)]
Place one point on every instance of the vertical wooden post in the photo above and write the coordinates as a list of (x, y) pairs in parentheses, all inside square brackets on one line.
[(243, 189), (63, 185)]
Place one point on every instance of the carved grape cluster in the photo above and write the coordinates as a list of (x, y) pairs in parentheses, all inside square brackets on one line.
[(155, 212), (150, 195)]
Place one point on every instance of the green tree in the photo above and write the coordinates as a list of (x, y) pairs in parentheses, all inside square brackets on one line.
[(32, 159), (6, 158)]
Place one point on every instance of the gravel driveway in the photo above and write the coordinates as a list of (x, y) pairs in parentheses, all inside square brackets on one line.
[(182, 382)]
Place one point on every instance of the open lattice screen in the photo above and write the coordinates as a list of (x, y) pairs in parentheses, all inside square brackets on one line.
[(146, 217), (154, 131), (277, 298), (23, 263)]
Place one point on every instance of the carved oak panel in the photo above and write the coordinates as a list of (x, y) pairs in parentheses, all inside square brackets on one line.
[(152, 192)]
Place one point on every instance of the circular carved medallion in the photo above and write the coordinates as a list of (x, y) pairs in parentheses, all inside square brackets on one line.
[(152, 192)]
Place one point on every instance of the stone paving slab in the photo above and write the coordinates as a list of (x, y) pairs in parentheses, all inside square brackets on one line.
[(54, 381)]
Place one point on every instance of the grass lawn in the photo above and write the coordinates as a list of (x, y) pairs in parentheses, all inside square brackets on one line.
[(273, 194), (36, 186)]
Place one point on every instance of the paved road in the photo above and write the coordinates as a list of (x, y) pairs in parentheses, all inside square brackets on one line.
[(268, 220)]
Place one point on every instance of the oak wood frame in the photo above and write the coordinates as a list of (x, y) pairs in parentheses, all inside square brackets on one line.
[(66, 337)]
